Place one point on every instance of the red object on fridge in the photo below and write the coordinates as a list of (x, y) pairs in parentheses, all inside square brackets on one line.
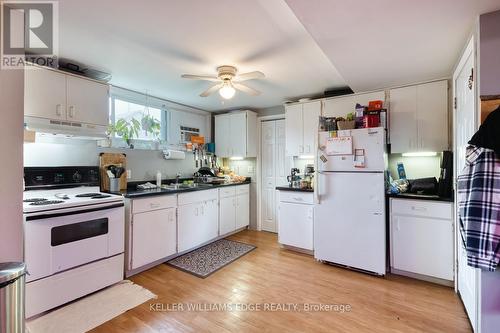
[(371, 119), (375, 105)]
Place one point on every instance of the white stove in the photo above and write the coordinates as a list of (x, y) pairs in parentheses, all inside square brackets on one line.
[(74, 236), (51, 200)]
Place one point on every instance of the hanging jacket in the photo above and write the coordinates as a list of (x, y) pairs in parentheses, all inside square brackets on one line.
[(478, 191)]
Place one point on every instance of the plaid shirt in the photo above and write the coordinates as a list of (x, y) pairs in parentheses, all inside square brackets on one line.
[(479, 208)]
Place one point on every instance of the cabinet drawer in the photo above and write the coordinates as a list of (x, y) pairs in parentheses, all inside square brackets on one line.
[(227, 192), (439, 210), (198, 196), (153, 203), (242, 189), (296, 197)]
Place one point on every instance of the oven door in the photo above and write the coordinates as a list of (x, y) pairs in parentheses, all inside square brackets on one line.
[(60, 240)]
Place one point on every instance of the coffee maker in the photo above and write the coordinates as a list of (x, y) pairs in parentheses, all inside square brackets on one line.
[(446, 176)]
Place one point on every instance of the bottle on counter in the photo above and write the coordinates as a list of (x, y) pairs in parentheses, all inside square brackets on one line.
[(158, 179)]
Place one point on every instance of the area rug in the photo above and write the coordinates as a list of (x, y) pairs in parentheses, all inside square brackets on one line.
[(208, 259), (92, 311)]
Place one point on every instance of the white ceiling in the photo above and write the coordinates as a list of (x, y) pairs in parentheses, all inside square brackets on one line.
[(147, 45), (382, 43)]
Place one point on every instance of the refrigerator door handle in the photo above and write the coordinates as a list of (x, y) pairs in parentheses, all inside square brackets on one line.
[(319, 187)]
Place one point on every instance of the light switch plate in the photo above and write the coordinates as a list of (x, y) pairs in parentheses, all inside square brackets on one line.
[(129, 174)]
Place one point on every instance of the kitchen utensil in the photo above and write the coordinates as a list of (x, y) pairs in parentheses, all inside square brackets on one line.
[(110, 174), (119, 171), (116, 159)]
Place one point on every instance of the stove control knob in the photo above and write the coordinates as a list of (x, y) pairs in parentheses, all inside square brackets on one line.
[(77, 177)]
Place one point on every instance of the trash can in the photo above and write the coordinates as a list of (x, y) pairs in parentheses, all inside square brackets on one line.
[(12, 281)]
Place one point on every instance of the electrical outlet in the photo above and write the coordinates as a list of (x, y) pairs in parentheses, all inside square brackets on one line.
[(129, 173), (250, 169)]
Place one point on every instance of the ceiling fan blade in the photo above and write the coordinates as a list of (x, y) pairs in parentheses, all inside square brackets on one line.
[(201, 77), (249, 76), (246, 89), (211, 90)]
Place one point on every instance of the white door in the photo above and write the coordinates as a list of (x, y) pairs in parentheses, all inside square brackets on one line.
[(311, 112), (370, 140), (154, 236), (296, 225), (465, 126), (349, 224), (188, 229), (432, 116), (222, 136), (403, 119), (227, 216), (238, 135), (242, 210), (88, 101), (275, 166), (44, 94), (294, 130)]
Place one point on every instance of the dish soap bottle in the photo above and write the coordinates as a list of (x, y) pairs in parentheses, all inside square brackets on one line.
[(158, 179)]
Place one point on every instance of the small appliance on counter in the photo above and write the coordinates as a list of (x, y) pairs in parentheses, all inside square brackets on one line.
[(445, 178), (205, 175)]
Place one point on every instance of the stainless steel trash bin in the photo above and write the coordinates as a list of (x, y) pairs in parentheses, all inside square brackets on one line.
[(12, 282)]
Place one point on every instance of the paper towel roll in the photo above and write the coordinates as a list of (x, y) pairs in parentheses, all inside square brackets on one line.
[(170, 154)]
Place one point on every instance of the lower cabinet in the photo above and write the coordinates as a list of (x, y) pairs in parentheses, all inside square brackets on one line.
[(422, 238), (198, 223), (234, 208), (154, 236), (296, 219)]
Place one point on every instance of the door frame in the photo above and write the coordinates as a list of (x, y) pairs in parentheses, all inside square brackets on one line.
[(470, 50), (260, 120)]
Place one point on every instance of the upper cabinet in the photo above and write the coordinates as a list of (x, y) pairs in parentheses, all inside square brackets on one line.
[(54, 95), (236, 134), (301, 126), (419, 118)]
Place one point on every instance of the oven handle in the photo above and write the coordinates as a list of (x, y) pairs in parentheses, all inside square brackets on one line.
[(48, 216)]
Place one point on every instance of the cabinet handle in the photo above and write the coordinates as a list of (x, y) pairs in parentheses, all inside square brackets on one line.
[(154, 205), (308, 148), (58, 110), (196, 211), (71, 112), (419, 209), (301, 149), (203, 210), (422, 143), (298, 199)]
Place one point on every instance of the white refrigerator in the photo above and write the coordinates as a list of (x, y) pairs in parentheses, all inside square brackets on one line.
[(349, 214)]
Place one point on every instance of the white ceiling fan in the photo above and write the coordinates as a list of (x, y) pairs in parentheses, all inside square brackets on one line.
[(227, 82)]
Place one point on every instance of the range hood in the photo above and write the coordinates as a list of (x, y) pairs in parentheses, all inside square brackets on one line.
[(67, 128)]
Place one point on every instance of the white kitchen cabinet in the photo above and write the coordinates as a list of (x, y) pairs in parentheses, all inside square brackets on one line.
[(44, 94), (50, 94), (234, 208), (419, 117), (301, 127), (236, 134), (87, 101), (198, 219), (154, 236), (295, 219), (422, 238)]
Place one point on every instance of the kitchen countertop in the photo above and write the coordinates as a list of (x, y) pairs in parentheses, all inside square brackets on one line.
[(419, 197), (133, 192), (295, 189)]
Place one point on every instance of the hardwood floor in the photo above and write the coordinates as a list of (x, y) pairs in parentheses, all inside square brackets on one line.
[(273, 275)]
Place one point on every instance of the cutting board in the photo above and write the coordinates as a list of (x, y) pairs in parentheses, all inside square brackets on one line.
[(106, 159)]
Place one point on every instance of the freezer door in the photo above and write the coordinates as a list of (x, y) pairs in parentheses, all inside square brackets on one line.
[(372, 140), (349, 222)]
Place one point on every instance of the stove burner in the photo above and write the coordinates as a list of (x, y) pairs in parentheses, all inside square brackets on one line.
[(46, 202), (100, 196), (87, 195), (34, 200)]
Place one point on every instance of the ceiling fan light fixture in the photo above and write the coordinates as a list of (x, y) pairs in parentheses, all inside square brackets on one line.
[(227, 91)]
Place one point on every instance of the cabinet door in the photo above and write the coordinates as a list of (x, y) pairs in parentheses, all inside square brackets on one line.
[(227, 217), (422, 245), (294, 130), (44, 94), (432, 116), (210, 220), (154, 236), (311, 112), (242, 210), (238, 135), (296, 225), (188, 229), (222, 136), (88, 101), (403, 120)]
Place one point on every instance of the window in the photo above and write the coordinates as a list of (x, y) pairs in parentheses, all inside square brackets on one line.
[(149, 123)]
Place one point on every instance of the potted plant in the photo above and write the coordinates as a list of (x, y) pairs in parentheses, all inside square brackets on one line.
[(126, 129)]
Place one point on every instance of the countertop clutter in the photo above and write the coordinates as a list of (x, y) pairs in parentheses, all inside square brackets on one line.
[(133, 192)]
